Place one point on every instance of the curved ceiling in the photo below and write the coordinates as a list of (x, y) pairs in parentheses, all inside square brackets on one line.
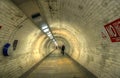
[(80, 23)]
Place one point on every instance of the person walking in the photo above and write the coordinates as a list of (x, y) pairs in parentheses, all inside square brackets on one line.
[(62, 49)]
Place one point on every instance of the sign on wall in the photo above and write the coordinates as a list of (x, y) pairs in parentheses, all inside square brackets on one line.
[(113, 30), (15, 44)]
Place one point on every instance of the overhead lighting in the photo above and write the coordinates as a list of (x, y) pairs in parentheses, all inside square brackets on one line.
[(46, 30), (55, 43), (51, 37), (53, 40), (44, 27), (48, 33)]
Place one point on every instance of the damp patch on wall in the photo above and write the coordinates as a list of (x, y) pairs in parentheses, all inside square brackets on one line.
[(113, 30)]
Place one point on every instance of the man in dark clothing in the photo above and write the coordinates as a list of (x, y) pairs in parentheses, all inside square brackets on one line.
[(62, 48)]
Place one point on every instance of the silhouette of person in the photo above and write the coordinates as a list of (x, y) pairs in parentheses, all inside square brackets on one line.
[(62, 49), (56, 47)]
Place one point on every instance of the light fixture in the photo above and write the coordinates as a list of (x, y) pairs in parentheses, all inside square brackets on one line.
[(48, 33), (44, 27), (55, 43), (51, 37), (53, 40), (46, 30)]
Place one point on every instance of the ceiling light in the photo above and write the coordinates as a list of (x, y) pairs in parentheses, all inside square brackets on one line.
[(44, 27), (54, 40), (45, 30), (51, 37), (55, 43), (48, 33)]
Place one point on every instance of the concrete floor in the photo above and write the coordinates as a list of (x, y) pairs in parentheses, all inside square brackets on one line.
[(58, 66)]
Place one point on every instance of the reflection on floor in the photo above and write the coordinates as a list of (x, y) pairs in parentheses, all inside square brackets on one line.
[(58, 66)]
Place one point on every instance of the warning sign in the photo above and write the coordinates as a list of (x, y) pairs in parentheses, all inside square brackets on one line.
[(113, 30)]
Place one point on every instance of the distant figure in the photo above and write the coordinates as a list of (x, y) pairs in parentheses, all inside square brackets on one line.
[(62, 49), (56, 47)]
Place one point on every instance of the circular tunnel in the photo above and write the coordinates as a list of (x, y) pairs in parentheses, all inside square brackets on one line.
[(77, 24), (63, 37)]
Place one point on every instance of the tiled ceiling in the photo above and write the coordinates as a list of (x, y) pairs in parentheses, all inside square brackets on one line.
[(76, 12), (51, 8), (80, 10)]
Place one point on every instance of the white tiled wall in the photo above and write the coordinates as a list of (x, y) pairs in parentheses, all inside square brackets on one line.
[(88, 17), (28, 51)]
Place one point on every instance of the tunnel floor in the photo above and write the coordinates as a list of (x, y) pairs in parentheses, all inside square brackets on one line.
[(58, 66)]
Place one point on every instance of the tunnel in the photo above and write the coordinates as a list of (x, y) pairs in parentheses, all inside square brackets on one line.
[(89, 30)]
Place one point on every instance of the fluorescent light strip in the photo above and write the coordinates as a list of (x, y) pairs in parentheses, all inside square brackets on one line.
[(44, 27), (48, 33), (55, 43), (51, 37), (45, 30), (53, 40)]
